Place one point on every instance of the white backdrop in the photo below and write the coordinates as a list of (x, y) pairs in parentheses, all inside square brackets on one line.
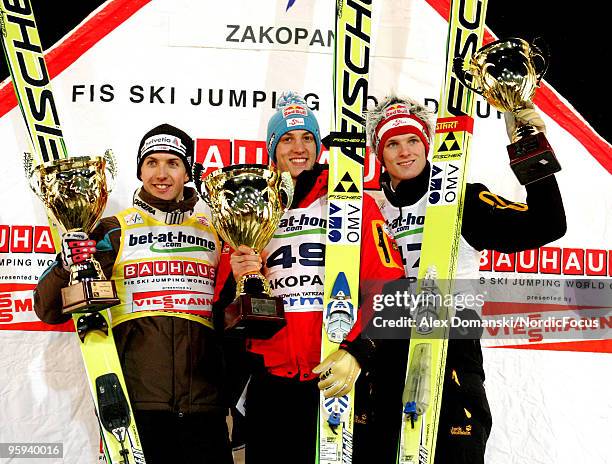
[(215, 69)]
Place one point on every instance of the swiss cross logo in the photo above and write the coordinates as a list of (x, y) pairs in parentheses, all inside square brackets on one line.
[(26, 239)]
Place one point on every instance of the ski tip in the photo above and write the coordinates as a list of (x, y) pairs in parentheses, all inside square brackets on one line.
[(340, 289)]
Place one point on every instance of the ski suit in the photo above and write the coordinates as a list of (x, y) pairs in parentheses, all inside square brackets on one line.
[(282, 399)]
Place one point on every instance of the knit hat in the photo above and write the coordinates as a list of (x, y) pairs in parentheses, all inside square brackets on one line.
[(291, 114), (396, 116), (169, 139)]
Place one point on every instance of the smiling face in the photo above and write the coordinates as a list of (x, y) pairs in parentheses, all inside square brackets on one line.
[(404, 157), (296, 152), (164, 176)]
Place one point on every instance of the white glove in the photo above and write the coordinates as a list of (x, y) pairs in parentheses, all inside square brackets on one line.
[(525, 116), (76, 248), (338, 373)]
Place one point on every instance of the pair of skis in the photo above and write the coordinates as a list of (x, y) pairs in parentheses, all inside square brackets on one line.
[(422, 395), (346, 144), (427, 356), (31, 81)]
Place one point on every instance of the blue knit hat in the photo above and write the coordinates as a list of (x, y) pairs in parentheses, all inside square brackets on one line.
[(291, 114)]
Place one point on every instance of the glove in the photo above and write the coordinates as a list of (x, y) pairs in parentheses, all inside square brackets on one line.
[(338, 373), (525, 116), (76, 248)]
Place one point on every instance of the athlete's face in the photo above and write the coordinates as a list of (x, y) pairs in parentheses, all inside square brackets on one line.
[(296, 152), (164, 175), (404, 156)]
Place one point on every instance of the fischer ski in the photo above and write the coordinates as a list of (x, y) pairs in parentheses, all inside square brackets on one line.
[(422, 395), (346, 144), (32, 84)]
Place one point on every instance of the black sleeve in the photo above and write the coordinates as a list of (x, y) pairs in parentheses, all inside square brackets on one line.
[(226, 296), (494, 223)]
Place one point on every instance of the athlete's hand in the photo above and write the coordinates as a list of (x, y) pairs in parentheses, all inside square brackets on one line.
[(338, 373), (76, 248), (525, 116), (244, 260)]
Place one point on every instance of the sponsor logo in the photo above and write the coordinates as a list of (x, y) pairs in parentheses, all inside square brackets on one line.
[(465, 45), (13, 304), (400, 224), (293, 122), (444, 184), (458, 430), (355, 73), (500, 203), (294, 109), (295, 223), (396, 109), (292, 301), (31, 77), (163, 142), (450, 147), (133, 218), (170, 242), (26, 239), (550, 260), (142, 205), (346, 185), (193, 301), (170, 268), (344, 222)]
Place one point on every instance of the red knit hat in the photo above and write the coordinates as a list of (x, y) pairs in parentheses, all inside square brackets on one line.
[(398, 121)]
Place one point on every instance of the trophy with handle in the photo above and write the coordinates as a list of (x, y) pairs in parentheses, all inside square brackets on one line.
[(74, 191), (247, 202), (506, 73)]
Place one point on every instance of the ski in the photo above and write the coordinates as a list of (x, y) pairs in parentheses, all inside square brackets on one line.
[(32, 85), (422, 395), (346, 144)]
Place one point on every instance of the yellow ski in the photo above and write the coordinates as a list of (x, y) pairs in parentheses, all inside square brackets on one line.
[(345, 189), (442, 231), (31, 81)]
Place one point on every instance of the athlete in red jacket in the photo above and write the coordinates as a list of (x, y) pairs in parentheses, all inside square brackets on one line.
[(282, 397)]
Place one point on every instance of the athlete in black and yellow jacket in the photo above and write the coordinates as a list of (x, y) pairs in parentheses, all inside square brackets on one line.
[(400, 132)]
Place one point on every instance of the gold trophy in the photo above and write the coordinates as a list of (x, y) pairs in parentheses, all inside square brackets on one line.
[(74, 191), (506, 73), (247, 202)]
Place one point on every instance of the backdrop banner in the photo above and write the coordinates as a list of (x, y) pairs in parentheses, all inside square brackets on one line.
[(215, 71)]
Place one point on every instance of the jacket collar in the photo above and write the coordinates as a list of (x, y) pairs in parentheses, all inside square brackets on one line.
[(407, 192), (310, 185), (166, 211)]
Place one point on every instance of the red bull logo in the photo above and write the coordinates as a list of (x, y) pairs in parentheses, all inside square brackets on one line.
[(294, 109), (398, 108)]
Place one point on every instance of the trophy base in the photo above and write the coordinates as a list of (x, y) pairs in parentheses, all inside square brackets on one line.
[(89, 296), (532, 158), (259, 316)]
